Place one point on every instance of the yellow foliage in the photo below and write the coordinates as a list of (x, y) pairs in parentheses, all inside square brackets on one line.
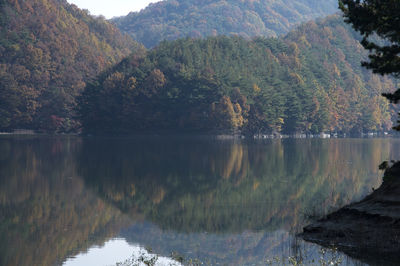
[(256, 185), (238, 108), (159, 195), (114, 80), (230, 115), (131, 83), (297, 78), (294, 49), (15, 47), (336, 70), (304, 41), (234, 163), (132, 192), (256, 89)]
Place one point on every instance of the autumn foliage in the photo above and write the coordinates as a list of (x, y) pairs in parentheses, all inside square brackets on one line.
[(174, 19), (309, 81), (48, 50)]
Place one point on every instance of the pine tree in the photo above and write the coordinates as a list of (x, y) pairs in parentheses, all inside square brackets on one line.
[(377, 18)]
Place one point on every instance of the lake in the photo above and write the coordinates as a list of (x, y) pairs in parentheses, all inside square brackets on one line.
[(100, 201)]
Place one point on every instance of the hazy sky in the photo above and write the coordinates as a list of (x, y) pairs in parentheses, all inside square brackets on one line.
[(112, 8)]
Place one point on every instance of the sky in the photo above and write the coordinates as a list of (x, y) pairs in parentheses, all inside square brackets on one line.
[(112, 8)]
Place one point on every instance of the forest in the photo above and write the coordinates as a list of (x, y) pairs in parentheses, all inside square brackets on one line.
[(65, 71), (309, 81), (48, 50), (174, 19)]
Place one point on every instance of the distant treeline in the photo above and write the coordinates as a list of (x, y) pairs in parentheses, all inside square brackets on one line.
[(309, 81), (173, 19)]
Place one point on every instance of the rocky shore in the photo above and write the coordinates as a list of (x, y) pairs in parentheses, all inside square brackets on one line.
[(368, 230)]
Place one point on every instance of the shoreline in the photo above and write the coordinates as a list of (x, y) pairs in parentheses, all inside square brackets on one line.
[(368, 230), (219, 136)]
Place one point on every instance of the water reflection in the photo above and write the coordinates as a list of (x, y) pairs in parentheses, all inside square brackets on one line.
[(118, 250), (46, 213), (196, 186), (222, 201)]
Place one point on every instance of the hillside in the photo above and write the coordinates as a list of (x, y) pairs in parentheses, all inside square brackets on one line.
[(310, 81), (48, 50), (173, 19)]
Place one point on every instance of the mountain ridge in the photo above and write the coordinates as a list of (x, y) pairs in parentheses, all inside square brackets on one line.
[(174, 19), (49, 49)]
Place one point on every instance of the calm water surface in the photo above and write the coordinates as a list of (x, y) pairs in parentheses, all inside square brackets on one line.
[(98, 201)]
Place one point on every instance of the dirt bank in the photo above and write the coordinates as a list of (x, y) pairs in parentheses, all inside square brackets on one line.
[(368, 230)]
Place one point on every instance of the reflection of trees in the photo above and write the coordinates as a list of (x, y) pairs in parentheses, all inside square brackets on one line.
[(45, 212), (236, 164), (228, 186)]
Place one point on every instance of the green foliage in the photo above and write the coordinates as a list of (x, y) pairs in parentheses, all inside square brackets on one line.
[(48, 50), (377, 18), (307, 82), (173, 19), (373, 17)]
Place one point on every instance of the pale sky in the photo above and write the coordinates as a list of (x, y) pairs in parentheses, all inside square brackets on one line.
[(112, 8)]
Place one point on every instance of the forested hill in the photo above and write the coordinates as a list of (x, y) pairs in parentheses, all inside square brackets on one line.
[(48, 50), (173, 19), (310, 81)]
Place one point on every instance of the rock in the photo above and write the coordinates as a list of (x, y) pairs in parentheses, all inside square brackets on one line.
[(368, 230)]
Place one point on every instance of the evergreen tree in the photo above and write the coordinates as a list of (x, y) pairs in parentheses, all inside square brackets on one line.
[(378, 18), (310, 81)]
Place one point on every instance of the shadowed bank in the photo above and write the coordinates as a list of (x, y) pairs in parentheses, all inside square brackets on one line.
[(368, 230)]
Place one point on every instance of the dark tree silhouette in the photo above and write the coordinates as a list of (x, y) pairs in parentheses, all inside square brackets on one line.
[(378, 18)]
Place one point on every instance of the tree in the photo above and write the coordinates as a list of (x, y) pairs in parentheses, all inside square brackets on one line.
[(374, 18)]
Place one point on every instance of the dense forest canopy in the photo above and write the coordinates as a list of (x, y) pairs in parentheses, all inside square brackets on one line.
[(173, 19), (48, 50), (310, 81)]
